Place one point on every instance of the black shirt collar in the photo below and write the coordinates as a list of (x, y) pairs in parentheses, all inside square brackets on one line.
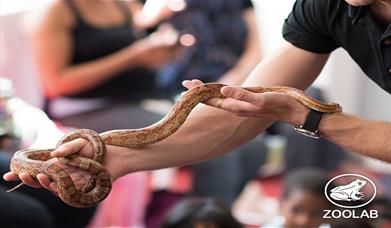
[(357, 13), (362, 16)]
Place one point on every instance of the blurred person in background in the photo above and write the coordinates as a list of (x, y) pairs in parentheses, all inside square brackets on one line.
[(200, 213), (226, 46), (303, 200), (348, 223), (95, 49)]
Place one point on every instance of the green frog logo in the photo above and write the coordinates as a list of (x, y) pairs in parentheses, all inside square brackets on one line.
[(349, 192)]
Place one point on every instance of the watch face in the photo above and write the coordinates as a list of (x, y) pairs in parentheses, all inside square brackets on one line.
[(307, 133)]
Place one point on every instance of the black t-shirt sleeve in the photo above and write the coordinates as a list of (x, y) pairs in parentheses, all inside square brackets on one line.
[(307, 26)]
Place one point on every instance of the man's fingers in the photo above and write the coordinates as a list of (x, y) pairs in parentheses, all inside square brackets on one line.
[(196, 81), (28, 180), (10, 176), (187, 84), (238, 100), (236, 106), (44, 181), (240, 94), (69, 148), (191, 84), (53, 187)]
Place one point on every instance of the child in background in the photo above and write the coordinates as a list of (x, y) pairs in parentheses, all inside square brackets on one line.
[(200, 213), (303, 200)]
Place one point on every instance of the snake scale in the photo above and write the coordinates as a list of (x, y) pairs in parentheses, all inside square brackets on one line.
[(34, 161)]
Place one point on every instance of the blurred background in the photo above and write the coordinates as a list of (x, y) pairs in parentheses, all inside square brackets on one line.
[(247, 184)]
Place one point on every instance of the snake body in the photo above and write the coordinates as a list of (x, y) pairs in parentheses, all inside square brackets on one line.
[(34, 161), (37, 161)]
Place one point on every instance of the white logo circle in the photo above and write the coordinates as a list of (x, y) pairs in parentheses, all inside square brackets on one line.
[(350, 192)]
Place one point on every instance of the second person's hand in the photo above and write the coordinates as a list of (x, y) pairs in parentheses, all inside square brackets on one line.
[(157, 49)]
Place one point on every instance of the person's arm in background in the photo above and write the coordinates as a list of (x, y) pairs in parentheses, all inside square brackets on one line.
[(52, 50), (251, 55)]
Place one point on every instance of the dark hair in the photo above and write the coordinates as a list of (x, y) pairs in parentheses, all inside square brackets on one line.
[(307, 180), (349, 223), (191, 212)]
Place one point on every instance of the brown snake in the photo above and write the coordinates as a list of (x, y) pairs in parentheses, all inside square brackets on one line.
[(33, 161)]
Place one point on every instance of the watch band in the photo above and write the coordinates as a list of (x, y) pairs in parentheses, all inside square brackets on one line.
[(310, 126)]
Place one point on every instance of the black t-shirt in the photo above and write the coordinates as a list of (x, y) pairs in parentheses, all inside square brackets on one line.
[(91, 42), (321, 26)]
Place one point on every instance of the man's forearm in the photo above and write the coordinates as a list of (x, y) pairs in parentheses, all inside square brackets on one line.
[(367, 137), (206, 134), (209, 132)]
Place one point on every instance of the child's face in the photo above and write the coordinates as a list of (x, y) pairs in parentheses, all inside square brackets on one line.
[(303, 209)]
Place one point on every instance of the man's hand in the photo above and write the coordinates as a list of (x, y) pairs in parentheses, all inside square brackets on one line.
[(271, 105), (78, 146)]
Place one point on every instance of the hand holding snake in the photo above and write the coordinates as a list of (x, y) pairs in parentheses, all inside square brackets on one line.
[(35, 161)]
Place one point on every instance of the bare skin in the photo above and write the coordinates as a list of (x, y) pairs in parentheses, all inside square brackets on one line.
[(52, 48), (303, 210), (290, 66)]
